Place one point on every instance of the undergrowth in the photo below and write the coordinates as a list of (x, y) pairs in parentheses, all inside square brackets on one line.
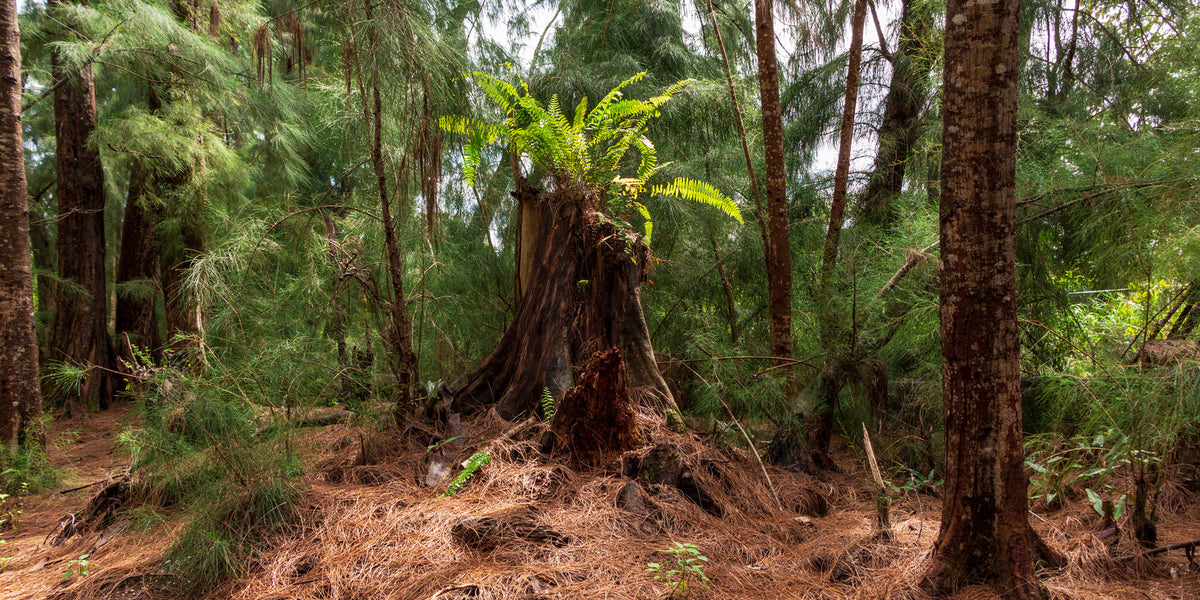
[(202, 449)]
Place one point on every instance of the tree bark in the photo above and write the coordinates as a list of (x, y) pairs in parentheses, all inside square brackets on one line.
[(841, 177), (399, 338), (985, 535), (182, 311), (901, 127), (737, 113), (138, 260), (779, 255), (583, 297), (20, 396), (79, 334)]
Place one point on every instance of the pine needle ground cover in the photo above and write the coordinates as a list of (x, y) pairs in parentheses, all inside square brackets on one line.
[(527, 525)]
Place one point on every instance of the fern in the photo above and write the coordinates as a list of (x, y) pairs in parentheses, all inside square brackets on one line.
[(473, 464), (547, 401), (698, 191), (587, 150)]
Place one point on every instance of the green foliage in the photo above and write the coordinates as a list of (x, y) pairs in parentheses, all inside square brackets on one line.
[(26, 470), (587, 151), (473, 464), (79, 566), (547, 403), (201, 448), (687, 568)]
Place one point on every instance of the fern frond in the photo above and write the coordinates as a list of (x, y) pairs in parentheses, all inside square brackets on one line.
[(473, 464), (602, 106), (700, 192), (645, 212), (580, 114)]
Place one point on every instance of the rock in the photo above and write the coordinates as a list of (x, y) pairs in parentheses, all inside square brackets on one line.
[(631, 499)]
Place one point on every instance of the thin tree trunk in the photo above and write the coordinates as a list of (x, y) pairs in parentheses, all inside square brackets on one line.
[(338, 326), (779, 255), (985, 535), (841, 177), (20, 396), (139, 258), (400, 335), (819, 427), (79, 334), (730, 306), (737, 113), (901, 126)]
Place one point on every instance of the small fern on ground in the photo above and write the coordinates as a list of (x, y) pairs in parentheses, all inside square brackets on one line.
[(473, 464), (547, 401)]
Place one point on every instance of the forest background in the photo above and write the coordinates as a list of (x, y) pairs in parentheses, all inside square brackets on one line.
[(265, 204)]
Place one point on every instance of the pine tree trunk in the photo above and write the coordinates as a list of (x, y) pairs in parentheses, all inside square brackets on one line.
[(583, 297), (182, 311), (985, 535), (779, 254), (399, 338), (901, 125), (79, 334), (44, 260), (20, 396), (841, 177), (139, 260)]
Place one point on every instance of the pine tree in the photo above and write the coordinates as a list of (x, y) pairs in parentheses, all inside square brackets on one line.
[(20, 397)]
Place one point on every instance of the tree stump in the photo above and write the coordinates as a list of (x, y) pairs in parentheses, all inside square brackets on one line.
[(596, 417)]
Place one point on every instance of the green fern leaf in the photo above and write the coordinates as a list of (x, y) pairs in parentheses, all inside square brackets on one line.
[(700, 192)]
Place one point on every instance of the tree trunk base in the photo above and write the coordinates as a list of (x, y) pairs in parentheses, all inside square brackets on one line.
[(596, 417)]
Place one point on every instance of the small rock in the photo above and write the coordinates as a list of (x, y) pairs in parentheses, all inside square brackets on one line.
[(631, 499)]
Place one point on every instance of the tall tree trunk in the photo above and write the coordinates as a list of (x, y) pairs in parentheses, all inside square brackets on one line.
[(819, 424), (182, 311), (901, 125), (737, 113), (79, 334), (20, 396), (138, 262), (841, 177), (44, 260), (985, 535), (779, 254)]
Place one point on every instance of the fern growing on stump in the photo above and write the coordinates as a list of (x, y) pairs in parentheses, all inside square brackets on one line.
[(580, 261)]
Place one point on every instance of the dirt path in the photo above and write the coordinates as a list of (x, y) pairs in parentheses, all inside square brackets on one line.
[(86, 450)]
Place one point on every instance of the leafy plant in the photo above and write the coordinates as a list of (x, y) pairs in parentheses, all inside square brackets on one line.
[(1058, 465), (585, 151), (547, 402), (78, 566), (1097, 502), (688, 567), (473, 464)]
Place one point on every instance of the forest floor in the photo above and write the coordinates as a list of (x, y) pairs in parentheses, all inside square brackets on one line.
[(535, 527)]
